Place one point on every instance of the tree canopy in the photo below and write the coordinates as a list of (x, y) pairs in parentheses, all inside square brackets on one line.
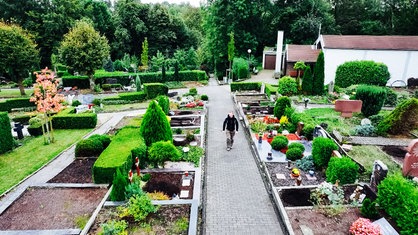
[(83, 49), (19, 55)]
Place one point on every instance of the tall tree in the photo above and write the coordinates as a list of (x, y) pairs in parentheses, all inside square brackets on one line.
[(319, 75), (144, 54), (19, 55), (155, 125), (84, 50), (244, 18), (307, 81), (231, 52)]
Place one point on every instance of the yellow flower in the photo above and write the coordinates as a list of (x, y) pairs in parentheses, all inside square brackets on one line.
[(284, 120)]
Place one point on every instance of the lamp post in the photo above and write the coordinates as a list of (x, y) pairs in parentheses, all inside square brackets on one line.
[(249, 61)]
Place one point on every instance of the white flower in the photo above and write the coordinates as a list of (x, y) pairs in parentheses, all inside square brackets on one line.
[(186, 149)]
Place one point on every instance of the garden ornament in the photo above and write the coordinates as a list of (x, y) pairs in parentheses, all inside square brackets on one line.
[(130, 176), (137, 166)]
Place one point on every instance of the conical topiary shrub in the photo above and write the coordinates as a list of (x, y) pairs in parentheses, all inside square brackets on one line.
[(155, 125)]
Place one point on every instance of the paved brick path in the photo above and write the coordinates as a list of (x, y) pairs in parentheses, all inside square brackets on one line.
[(236, 200)]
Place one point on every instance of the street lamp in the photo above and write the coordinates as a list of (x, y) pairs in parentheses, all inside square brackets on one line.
[(249, 62), (249, 55)]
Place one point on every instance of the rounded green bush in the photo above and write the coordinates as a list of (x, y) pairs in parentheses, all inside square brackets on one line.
[(280, 107), (391, 97), (204, 97), (322, 150), (105, 139), (76, 103), (297, 145), (279, 142), (294, 154), (373, 98), (361, 72), (343, 169), (88, 148), (161, 151), (287, 86)]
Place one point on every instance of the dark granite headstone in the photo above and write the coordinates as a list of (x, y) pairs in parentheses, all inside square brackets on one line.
[(412, 82), (379, 173)]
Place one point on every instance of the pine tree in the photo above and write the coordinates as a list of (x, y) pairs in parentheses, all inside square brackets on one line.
[(307, 81), (119, 183), (319, 75), (155, 125)]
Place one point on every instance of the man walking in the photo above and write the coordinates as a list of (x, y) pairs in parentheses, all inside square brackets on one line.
[(231, 125)]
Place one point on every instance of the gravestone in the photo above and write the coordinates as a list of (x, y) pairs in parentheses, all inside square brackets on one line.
[(385, 227), (379, 173), (299, 128), (88, 99), (111, 81), (410, 164), (337, 135), (330, 87)]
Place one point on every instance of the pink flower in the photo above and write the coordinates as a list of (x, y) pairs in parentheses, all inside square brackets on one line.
[(364, 226)]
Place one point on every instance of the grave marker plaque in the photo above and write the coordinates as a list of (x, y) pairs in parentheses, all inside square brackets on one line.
[(379, 173), (410, 164)]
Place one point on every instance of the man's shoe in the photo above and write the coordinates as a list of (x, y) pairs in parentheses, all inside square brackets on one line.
[(227, 149)]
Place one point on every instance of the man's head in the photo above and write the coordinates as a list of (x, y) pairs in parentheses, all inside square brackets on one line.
[(230, 114)]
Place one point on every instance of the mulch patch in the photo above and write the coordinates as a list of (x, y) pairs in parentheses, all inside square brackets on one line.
[(162, 222), (169, 183), (79, 171), (321, 224), (280, 168), (51, 208), (397, 152)]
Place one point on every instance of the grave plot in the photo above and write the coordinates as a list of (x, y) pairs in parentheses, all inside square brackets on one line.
[(168, 219), (173, 184), (45, 208), (78, 171)]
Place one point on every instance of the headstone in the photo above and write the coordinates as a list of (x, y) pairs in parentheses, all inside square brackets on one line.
[(306, 230), (338, 136), (331, 87), (379, 173), (280, 176), (88, 99), (410, 164), (184, 193), (111, 81), (70, 99), (299, 128), (186, 182), (385, 227)]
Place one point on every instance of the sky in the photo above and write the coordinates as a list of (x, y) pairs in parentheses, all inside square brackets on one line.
[(195, 3)]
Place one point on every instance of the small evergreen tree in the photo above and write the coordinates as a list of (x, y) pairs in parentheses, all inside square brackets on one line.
[(138, 83), (144, 54), (163, 71), (164, 103), (319, 75), (307, 81), (108, 66), (119, 183), (155, 125), (231, 52)]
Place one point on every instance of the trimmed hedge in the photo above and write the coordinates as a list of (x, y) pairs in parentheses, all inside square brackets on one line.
[(373, 98), (6, 138), (270, 89), (287, 86), (399, 198), (401, 120), (82, 82), (245, 86), (124, 79), (361, 72), (9, 104), (153, 90), (117, 155), (68, 119), (279, 142), (343, 169), (88, 148), (133, 96)]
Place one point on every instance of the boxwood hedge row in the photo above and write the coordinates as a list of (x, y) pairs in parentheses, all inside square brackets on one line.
[(361, 72), (68, 119), (118, 155), (9, 104), (245, 86)]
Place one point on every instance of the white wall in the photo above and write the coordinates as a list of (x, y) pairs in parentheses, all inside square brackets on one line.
[(401, 64)]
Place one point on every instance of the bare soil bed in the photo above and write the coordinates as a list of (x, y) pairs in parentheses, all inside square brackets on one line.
[(321, 224), (163, 222), (78, 171), (275, 168), (169, 183), (51, 208), (397, 152)]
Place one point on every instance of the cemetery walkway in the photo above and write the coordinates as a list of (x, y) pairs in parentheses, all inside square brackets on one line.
[(236, 200), (106, 121)]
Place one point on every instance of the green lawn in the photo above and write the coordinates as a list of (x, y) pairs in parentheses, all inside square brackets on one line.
[(334, 120), (14, 93), (367, 154), (110, 108), (32, 155)]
